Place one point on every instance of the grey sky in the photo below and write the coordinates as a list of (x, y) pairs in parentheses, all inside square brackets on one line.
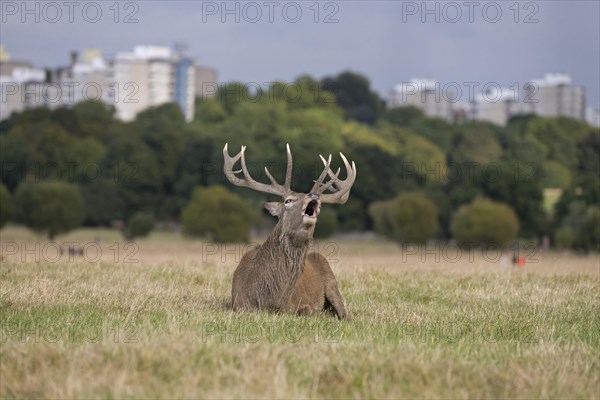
[(385, 40)]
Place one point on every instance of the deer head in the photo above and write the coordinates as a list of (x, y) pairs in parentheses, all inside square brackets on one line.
[(297, 212)]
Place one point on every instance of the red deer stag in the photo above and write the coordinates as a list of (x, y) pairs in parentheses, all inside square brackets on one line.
[(280, 274)]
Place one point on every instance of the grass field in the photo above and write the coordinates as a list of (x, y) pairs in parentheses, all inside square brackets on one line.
[(150, 319)]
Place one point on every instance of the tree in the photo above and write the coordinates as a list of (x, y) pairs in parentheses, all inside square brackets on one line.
[(437, 130), (304, 92), (161, 129), (103, 204), (94, 118), (218, 214), (555, 175), (353, 93), (587, 177), (403, 116), (327, 224), (476, 143), (408, 218), (51, 207), (583, 222), (352, 217), (6, 206), (139, 225), (485, 222)]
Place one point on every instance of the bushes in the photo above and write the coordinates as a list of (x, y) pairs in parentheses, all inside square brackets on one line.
[(580, 228), (408, 218), (484, 222), (51, 207), (564, 238), (217, 213), (6, 206), (327, 224), (139, 225)]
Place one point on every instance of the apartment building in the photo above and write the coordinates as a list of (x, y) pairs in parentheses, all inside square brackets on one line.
[(424, 94), (205, 81), (554, 96), (551, 96), (133, 81), (21, 87), (150, 76)]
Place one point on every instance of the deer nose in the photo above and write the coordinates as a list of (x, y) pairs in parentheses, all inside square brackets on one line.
[(313, 196)]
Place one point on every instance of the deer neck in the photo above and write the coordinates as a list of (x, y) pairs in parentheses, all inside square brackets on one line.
[(283, 256)]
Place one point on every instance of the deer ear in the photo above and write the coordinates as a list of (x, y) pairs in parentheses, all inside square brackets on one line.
[(274, 208)]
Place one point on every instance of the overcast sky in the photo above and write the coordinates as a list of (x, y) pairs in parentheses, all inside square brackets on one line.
[(388, 41)]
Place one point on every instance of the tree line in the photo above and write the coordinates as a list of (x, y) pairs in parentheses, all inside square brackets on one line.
[(538, 175)]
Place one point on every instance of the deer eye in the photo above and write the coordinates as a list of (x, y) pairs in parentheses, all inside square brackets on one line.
[(288, 201)]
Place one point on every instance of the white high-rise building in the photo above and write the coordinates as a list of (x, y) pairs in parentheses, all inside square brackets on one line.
[(554, 96), (150, 76), (22, 89), (496, 105), (89, 79), (143, 78), (592, 116), (424, 94)]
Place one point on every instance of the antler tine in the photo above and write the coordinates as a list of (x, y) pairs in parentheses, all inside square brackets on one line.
[(288, 172), (335, 187), (319, 180), (228, 166), (247, 181), (331, 182), (341, 196), (273, 181)]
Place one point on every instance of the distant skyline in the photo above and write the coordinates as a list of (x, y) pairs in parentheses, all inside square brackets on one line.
[(384, 40)]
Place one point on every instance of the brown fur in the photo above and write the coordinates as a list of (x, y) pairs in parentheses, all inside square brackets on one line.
[(316, 289), (279, 275)]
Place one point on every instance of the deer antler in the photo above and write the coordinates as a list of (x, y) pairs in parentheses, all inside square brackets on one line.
[(340, 188), (247, 181)]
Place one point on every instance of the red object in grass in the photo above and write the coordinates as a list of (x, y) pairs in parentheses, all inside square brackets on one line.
[(521, 261)]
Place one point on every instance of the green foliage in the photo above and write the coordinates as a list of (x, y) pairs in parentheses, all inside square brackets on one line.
[(485, 222), (476, 143), (327, 224), (408, 218), (555, 175), (154, 162), (564, 237), (436, 130), (352, 215), (304, 92), (588, 238), (209, 111), (587, 178), (583, 221), (6, 205), (353, 93), (103, 202), (403, 116), (139, 225), (51, 207), (561, 144), (218, 214)]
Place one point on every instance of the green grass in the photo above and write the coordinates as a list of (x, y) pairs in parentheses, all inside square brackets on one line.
[(81, 330)]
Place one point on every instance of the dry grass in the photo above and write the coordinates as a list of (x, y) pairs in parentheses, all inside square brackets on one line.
[(429, 324)]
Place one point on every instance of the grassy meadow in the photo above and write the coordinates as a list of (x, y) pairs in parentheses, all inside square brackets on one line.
[(150, 319)]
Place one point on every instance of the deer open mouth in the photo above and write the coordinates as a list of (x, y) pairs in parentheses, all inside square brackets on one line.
[(309, 215), (311, 209)]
